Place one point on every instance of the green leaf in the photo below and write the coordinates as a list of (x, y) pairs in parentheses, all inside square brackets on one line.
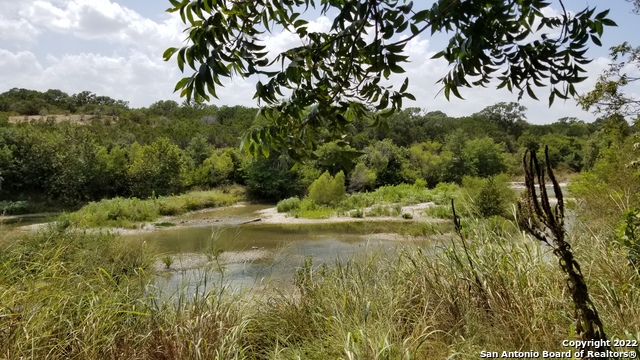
[(405, 85), (421, 16), (169, 53)]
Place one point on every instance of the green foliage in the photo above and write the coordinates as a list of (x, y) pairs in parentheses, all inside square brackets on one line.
[(440, 211), (362, 178), (120, 212), (309, 209), (362, 47), (158, 169), (428, 161), (14, 207), (385, 210), (488, 197), (490, 200), (628, 236), (288, 205), (608, 189), (420, 183), (327, 189), (335, 157), (116, 212), (608, 96), (459, 164), (167, 261), (272, 178), (508, 116), (389, 162), (486, 158), (214, 170)]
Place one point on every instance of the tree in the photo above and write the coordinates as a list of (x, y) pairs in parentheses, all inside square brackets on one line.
[(485, 156), (327, 189), (509, 116), (337, 76), (608, 96), (158, 168)]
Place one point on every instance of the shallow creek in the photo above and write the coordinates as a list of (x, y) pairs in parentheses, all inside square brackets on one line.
[(252, 255)]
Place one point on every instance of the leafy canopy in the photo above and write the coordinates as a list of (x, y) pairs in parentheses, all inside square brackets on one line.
[(313, 91)]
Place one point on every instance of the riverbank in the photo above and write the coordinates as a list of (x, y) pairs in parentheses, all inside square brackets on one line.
[(235, 215)]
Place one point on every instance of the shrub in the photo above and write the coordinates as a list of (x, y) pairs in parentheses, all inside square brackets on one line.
[(287, 205), (440, 211), (357, 213), (488, 197), (362, 178), (443, 192), (158, 169), (327, 189), (628, 236), (385, 210), (407, 216), (309, 209), (420, 183), (14, 207)]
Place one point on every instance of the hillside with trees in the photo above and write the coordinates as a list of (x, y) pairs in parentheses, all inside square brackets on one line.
[(168, 148)]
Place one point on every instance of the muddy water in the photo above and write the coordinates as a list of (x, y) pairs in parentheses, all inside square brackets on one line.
[(253, 255)]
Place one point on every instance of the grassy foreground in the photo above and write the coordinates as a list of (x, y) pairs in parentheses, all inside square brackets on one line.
[(85, 296), (121, 212)]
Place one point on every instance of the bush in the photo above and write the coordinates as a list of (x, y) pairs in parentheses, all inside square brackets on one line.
[(362, 178), (286, 205), (357, 213), (120, 212), (328, 190), (309, 209), (14, 207), (488, 197), (628, 236), (381, 210)]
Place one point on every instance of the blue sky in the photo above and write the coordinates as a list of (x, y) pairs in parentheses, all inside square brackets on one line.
[(114, 48)]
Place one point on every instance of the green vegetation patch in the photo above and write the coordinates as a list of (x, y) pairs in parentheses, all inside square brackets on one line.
[(14, 207), (121, 212), (386, 201)]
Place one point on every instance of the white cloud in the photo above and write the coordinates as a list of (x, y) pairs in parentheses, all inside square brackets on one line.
[(101, 20), (18, 31)]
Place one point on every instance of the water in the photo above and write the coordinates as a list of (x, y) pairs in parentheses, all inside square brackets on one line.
[(549, 188), (254, 255)]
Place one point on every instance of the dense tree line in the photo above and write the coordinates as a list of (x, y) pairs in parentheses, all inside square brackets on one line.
[(169, 147)]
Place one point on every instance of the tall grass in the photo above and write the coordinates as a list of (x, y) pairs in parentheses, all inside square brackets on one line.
[(70, 295), (121, 212), (424, 304)]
